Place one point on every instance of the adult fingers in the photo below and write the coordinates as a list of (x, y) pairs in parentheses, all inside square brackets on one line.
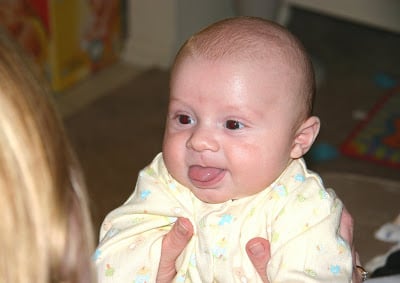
[(258, 250), (346, 226), (346, 231), (173, 243)]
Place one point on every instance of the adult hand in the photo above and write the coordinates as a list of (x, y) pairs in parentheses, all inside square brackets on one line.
[(258, 249), (346, 231), (173, 243)]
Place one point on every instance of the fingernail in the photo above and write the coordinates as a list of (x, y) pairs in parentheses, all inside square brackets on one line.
[(257, 249), (182, 229)]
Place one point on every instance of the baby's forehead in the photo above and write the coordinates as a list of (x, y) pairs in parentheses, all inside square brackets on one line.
[(267, 75)]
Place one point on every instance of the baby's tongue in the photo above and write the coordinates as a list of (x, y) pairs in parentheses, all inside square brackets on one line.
[(203, 174)]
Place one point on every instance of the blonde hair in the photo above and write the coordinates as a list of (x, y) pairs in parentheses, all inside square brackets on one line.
[(254, 39), (45, 229)]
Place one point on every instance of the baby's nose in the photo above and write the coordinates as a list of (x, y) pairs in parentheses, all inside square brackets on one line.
[(202, 139)]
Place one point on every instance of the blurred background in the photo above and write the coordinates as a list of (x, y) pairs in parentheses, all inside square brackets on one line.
[(108, 64)]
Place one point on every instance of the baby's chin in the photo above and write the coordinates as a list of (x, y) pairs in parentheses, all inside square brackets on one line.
[(212, 196)]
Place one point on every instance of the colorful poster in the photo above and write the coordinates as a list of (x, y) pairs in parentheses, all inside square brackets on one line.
[(68, 39)]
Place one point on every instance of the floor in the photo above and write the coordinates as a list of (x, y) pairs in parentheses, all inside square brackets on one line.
[(77, 97), (115, 121)]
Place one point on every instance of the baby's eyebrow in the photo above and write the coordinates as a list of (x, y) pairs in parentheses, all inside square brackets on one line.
[(176, 104), (244, 111), (175, 99)]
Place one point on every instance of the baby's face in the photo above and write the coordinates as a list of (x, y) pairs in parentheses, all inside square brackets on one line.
[(230, 127)]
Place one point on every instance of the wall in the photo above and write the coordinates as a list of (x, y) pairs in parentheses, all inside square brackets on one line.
[(156, 29), (381, 14)]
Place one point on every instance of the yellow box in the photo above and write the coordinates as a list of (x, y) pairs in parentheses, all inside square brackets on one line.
[(70, 39)]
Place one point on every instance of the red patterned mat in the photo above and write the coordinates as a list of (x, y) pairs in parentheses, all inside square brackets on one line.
[(377, 138)]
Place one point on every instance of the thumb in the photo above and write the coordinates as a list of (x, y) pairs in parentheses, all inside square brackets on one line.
[(258, 250), (173, 243)]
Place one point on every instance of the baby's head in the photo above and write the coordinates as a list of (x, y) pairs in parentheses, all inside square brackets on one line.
[(254, 41), (241, 95)]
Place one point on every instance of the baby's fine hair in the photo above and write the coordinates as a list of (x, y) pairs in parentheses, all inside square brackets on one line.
[(252, 39)]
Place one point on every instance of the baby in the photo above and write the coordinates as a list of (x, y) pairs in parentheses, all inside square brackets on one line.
[(239, 122)]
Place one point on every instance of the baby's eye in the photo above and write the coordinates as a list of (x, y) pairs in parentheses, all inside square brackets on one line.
[(233, 125), (185, 119)]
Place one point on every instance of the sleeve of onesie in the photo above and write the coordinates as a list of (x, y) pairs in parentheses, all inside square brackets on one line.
[(131, 235), (305, 241)]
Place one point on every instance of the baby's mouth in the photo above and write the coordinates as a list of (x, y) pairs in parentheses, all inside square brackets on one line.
[(205, 177)]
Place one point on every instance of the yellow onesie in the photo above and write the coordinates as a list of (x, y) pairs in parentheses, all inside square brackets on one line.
[(296, 214)]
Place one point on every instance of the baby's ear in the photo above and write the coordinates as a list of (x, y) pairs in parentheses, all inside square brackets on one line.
[(305, 137)]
